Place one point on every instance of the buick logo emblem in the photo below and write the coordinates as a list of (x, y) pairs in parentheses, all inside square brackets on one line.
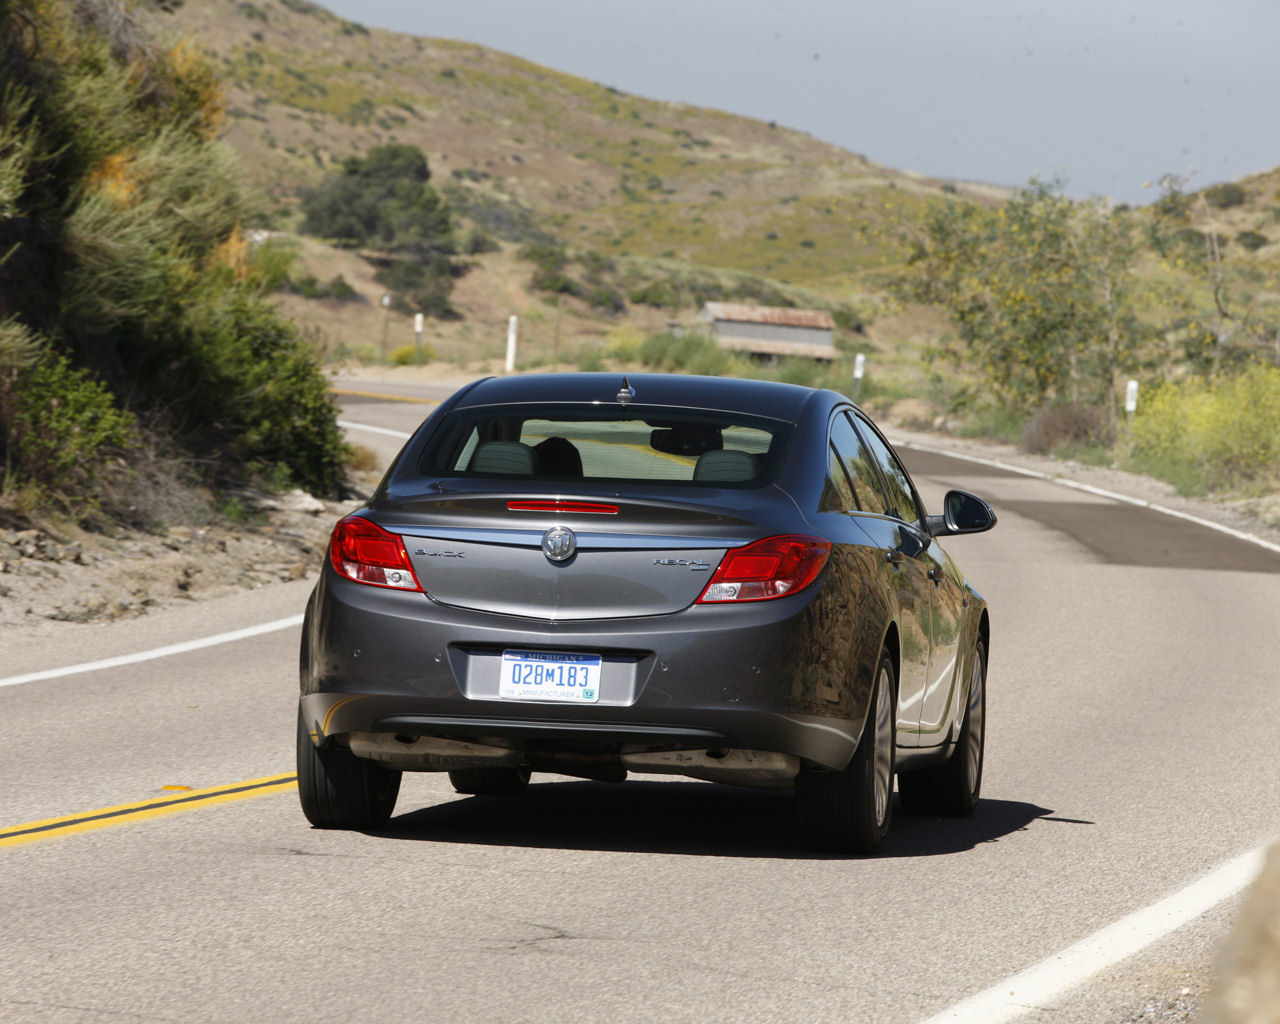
[(559, 543)]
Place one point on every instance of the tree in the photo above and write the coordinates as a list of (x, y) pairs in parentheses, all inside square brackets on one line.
[(383, 201), (1040, 292)]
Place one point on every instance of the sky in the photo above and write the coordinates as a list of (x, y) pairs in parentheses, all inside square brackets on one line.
[(1104, 95)]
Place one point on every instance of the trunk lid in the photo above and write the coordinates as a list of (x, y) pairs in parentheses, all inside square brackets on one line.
[(650, 557)]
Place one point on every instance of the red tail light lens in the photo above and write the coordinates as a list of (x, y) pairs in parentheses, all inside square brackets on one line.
[(593, 508), (769, 568), (365, 552)]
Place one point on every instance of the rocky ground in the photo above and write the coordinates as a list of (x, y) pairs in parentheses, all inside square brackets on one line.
[(54, 572)]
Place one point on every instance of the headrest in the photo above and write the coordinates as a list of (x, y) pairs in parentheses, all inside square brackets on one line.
[(509, 457), (726, 466)]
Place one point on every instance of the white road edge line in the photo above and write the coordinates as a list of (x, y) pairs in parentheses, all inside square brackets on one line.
[(1097, 491), (156, 652), (1035, 987), (187, 645), (348, 425)]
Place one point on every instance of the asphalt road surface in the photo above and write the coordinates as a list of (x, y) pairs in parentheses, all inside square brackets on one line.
[(1133, 732)]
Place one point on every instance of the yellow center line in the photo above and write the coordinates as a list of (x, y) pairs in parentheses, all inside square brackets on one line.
[(125, 814), (382, 396)]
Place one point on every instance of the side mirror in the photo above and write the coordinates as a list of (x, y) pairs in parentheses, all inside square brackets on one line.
[(961, 513)]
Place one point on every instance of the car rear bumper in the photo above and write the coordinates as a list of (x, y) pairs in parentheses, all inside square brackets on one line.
[(777, 676)]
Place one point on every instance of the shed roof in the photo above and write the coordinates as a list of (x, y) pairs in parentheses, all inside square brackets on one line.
[(736, 312)]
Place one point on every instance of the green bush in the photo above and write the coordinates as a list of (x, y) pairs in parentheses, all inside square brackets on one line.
[(477, 241), (1251, 240), (419, 287), (1226, 195), (337, 289), (684, 353), (1211, 435), (62, 426), (410, 355), (606, 298)]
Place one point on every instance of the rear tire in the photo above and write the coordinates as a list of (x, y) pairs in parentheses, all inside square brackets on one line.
[(952, 789), (490, 781), (339, 790), (849, 811)]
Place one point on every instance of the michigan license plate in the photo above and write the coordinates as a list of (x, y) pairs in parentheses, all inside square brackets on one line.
[(550, 675)]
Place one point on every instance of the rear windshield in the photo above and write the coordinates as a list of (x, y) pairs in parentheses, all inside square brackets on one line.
[(607, 442)]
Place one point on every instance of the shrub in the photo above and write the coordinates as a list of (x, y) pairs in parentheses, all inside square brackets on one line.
[(1252, 240), (477, 241), (338, 288), (805, 372), (1068, 423), (848, 319), (688, 353), (61, 427), (419, 286), (590, 359), (409, 355), (1226, 195), (606, 298), (1211, 435)]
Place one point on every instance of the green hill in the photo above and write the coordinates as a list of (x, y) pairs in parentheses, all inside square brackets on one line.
[(619, 173)]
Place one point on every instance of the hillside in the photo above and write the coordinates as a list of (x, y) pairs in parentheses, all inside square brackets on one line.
[(622, 174), (666, 191), (521, 148)]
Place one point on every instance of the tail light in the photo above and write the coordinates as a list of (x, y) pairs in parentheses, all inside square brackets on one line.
[(769, 568), (365, 552)]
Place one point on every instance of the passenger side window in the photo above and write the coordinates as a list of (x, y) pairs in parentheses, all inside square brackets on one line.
[(837, 495), (857, 463), (901, 495)]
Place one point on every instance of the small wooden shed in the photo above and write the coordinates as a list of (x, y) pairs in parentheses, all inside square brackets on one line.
[(771, 330)]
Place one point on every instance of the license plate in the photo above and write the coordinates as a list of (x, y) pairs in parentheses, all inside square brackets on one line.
[(550, 675)]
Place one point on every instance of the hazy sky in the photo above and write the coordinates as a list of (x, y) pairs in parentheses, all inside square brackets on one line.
[(1106, 95)]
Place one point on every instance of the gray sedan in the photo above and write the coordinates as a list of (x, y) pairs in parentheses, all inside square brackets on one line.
[(595, 575)]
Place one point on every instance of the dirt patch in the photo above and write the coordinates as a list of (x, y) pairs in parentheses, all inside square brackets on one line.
[(54, 573), (1248, 987)]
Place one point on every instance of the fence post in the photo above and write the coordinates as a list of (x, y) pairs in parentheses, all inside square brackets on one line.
[(513, 330)]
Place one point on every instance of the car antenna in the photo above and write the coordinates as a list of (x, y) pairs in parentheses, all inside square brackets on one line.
[(625, 393)]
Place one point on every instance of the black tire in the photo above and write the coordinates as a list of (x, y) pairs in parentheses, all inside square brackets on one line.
[(339, 790), (952, 789), (490, 781), (849, 811)]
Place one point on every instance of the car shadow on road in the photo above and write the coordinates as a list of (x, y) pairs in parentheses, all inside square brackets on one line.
[(693, 819)]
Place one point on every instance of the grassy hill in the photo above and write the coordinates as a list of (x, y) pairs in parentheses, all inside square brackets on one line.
[(660, 187), (619, 173), (666, 192)]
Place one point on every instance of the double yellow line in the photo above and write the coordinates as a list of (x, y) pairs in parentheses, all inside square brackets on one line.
[(125, 814)]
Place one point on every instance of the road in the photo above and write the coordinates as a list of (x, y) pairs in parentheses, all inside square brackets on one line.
[(1133, 727)]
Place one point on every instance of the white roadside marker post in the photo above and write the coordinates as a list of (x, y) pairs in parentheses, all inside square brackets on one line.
[(1131, 401), (417, 337), (859, 367), (513, 330)]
